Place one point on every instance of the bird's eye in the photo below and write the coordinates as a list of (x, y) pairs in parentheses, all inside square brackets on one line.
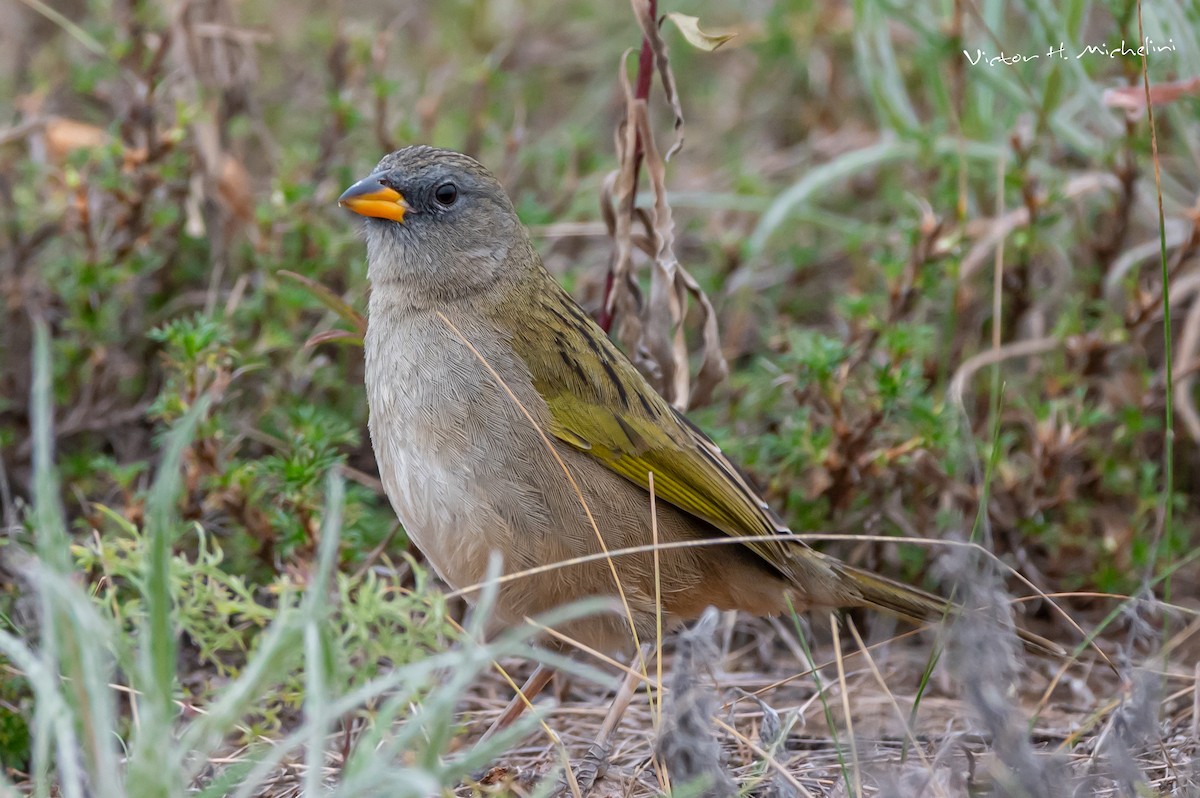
[(446, 194)]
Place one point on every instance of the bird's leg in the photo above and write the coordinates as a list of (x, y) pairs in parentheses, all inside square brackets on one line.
[(595, 761), (533, 685)]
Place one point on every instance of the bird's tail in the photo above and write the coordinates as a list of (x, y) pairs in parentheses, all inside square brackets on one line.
[(917, 606)]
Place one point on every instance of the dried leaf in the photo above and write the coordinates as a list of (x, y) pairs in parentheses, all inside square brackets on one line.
[(670, 286), (668, 301), (690, 28), (607, 201), (65, 136), (651, 329), (330, 300), (61, 137), (233, 189), (641, 9), (1132, 99), (625, 299)]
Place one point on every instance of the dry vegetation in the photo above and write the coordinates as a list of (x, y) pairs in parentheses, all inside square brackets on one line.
[(959, 305)]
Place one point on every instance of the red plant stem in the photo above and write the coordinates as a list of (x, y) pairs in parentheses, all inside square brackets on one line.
[(641, 91), (645, 63), (644, 76), (603, 317)]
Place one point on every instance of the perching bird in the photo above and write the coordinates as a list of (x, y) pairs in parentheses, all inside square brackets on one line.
[(504, 420)]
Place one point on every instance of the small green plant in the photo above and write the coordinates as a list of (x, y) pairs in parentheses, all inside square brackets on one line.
[(846, 424), (198, 359), (16, 705)]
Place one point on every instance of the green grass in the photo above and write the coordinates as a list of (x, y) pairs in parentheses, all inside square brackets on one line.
[(78, 661)]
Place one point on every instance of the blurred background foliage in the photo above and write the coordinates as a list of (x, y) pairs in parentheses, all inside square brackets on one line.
[(849, 182)]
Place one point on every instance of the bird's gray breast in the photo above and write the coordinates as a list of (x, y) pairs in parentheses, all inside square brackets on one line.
[(448, 438)]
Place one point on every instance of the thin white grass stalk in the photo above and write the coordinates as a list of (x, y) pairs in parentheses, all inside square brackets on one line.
[(54, 722), (409, 678), (656, 695), (766, 756), (857, 789), (729, 540), (1095, 594), (427, 731), (904, 721), (1113, 614), (433, 717), (599, 656), (981, 522), (158, 652), (819, 684), (569, 772), (631, 550), (566, 471), (881, 74), (52, 548), (74, 643), (998, 278), (86, 670), (157, 666), (786, 536), (992, 357), (820, 178), (926, 674), (74, 31), (1163, 532), (1196, 704), (316, 634), (50, 530), (796, 676)]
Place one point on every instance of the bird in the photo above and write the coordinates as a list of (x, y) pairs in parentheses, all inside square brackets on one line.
[(504, 420)]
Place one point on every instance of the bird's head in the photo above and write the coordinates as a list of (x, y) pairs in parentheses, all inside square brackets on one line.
[(437, 222)]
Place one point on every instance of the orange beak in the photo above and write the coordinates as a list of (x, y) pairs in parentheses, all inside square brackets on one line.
[(369, 197)]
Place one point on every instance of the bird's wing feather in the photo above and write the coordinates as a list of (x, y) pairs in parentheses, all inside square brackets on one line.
[(612, 414)]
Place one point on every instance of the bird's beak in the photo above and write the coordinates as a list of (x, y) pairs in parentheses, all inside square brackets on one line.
[(369, 197)]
